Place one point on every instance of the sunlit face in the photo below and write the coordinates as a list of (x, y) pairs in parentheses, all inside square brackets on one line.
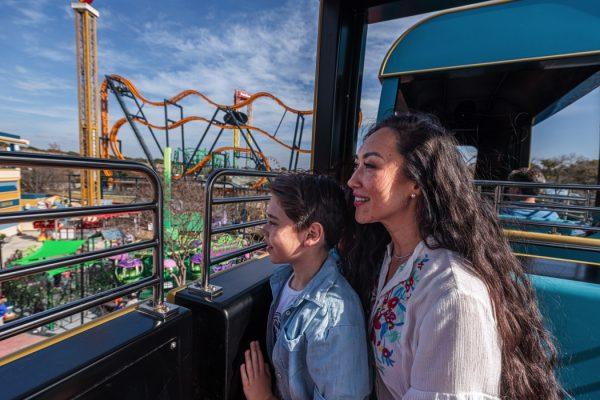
[(283, 241), (381, 191)]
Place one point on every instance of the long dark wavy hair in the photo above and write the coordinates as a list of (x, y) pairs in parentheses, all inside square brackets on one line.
[(452, 212)]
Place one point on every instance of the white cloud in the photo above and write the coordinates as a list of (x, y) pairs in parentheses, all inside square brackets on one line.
[(29, 12), (37, 46), (274, 53), (56, 112), (42, 83)]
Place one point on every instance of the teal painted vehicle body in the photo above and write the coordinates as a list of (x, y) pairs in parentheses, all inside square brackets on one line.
[(506, 32), (570, 309)]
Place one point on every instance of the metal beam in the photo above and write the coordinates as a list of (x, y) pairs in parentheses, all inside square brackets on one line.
[(340, 56)]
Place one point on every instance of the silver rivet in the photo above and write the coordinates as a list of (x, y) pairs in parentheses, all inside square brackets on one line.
[(173, 345)]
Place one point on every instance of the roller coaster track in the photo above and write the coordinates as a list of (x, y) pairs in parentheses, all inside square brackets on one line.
[(208, 157), (180, 96), (111, 139)]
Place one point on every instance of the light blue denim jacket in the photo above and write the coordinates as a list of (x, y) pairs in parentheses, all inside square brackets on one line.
[(321, 350)]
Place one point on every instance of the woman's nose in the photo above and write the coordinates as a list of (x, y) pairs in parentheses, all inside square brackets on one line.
[(353, 182)]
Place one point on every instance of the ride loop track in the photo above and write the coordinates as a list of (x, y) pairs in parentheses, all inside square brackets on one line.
[(232, 119)]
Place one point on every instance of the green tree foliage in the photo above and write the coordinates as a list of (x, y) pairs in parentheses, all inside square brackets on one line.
[(570, 168)]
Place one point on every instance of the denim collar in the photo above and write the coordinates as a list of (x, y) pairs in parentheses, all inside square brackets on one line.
[(318, 286)]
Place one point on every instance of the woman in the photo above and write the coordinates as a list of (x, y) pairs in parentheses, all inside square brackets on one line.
[(452, 314)]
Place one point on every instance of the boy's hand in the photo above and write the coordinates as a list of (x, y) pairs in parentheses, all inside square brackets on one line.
[(256, 376)]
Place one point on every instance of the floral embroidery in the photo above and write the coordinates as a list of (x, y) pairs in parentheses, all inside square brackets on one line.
[(388, 318)]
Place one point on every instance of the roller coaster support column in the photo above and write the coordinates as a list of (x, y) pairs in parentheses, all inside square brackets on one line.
[(87, 97), (170, 121), (187, 165), (129, 116), (233, 118)]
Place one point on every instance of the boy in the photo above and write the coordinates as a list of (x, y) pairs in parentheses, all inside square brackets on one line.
[(315, 335)]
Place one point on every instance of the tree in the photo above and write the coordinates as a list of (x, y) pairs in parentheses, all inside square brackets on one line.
[(183, 237), (570, 168)]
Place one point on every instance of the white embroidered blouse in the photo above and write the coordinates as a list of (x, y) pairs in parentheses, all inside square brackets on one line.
[(433, 332)]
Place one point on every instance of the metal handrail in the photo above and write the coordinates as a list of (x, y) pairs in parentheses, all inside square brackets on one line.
[(205, 288), (548, 206), (549, 185), (43, 266), (520, 221), (157, 308), (583, 213)]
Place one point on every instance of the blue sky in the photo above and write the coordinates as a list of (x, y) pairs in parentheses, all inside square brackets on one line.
[(212, 46)]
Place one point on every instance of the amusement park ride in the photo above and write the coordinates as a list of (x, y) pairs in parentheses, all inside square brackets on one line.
[(132, 102), (528, 59), (225, 117), (87, 82)]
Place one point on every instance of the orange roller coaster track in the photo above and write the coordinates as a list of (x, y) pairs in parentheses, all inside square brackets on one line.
[(110, 139)]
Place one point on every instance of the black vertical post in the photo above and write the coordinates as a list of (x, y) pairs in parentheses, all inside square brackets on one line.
[(81, 288), (69, 191), (340, 56), (1, 261), (597, 202)]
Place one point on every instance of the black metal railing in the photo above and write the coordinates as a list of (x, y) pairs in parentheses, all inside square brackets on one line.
[(156, 307), (576, 205), (205, 288)]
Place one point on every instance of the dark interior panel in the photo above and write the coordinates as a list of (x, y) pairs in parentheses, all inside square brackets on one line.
[(225, 326), (132, 356), (493, 107)]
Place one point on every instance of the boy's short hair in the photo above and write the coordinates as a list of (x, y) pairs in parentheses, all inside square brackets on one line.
[(533, 174), (307, 199)]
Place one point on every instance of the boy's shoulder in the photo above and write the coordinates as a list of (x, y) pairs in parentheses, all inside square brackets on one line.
[(342, 302)]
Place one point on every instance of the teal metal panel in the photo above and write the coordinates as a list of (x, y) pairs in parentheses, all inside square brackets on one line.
[(507, 31), (571, 313), (387, 101)]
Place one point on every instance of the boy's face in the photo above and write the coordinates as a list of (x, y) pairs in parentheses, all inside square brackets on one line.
[(284, 243)]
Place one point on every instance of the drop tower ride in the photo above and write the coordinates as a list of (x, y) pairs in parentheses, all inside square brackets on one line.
[(87, 96)]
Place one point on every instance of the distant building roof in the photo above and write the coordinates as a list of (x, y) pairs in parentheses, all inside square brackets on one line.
[(11, 138), (112, 234)]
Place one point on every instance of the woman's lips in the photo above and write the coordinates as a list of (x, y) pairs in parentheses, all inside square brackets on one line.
[(359, 201)]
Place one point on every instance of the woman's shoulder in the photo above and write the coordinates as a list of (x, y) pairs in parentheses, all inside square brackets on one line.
[(452, 276)]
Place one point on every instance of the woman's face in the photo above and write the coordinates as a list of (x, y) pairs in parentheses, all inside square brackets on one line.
[(381, 191)]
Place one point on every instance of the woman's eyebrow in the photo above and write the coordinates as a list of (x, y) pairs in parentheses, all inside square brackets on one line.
[(372, 154)]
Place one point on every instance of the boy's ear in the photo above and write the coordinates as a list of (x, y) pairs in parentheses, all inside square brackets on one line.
[(314, 234)]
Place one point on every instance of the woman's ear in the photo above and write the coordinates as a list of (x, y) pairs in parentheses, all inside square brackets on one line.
[(416, 189), (314, 234)]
